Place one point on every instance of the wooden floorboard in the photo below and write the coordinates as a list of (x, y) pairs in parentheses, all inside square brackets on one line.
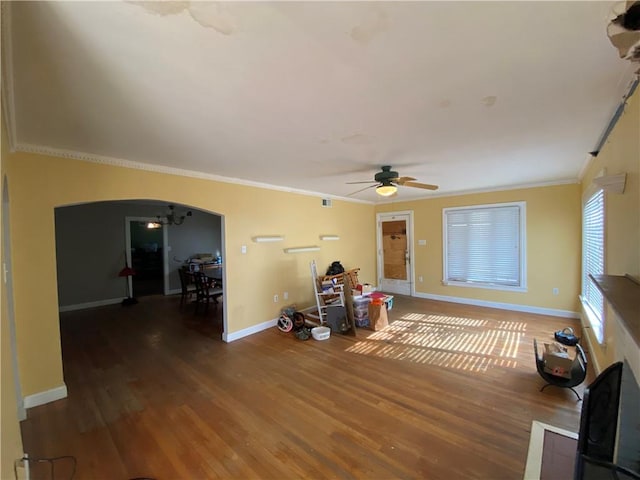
[(446, 391)]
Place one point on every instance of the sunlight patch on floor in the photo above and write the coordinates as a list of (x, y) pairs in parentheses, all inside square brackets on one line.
[(445, 341)]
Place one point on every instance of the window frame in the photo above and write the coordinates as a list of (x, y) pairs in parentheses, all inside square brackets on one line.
[(522, 257), (596, 320)]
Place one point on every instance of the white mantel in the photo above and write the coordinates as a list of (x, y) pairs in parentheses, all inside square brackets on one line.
[(622, 294)]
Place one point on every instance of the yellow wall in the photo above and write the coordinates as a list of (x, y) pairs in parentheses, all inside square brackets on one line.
[(9, 426), (10, 439), (620, 153), (552, 243), (39, 183)]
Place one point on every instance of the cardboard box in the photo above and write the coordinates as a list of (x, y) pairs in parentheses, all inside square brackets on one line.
[(364, 289), (367, 288), (557, 360)]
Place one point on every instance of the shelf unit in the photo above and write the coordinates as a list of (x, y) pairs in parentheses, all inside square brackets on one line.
[(325, 300), (623, 294)]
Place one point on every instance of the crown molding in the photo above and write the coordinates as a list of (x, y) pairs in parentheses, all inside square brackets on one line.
[(505, 188), (589, 159), (119, 162), (8, 103)]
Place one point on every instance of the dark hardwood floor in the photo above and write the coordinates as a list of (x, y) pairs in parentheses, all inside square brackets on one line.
[(447, 391)]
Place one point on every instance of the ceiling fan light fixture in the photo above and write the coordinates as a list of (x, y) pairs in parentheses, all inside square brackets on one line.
[(386, 190), (386, 183)]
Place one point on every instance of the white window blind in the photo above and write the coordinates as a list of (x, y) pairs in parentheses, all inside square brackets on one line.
[(484, 245), (593, 260)]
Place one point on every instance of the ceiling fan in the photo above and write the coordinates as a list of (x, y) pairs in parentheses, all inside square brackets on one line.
[(387, 182)]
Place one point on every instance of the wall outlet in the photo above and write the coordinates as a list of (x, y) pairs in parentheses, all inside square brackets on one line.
[(285, 295), (275, 298), (556, 291), (420, 279)]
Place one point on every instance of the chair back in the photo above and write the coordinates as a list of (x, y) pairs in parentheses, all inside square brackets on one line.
[(202, 283), (184, 280)]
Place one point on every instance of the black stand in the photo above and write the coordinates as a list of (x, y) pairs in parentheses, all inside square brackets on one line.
[(127, 302)]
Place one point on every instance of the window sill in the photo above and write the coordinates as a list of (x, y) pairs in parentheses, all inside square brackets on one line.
[(593, 323), (485, 286)]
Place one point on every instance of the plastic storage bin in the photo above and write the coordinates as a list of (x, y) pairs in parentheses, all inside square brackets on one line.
[(321, 333), (361, 310), (361, 301), (389, 302)]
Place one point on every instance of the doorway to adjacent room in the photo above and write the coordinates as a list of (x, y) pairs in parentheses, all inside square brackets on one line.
[(147, 247), (395, 252)]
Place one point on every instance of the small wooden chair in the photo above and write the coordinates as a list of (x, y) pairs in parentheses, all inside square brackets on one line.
[(207, 289), (187, 286)]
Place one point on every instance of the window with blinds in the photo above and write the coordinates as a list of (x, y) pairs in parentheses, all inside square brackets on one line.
[(593, 260), (484, 246)]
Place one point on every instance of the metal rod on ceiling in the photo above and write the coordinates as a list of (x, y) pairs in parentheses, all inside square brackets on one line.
[(615, 118)]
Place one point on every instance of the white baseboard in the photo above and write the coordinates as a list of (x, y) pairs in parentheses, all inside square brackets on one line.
[(245, 332), (47, 396), (468, 301), (102, 303), (257, 328), (502, 306), (82, 306)]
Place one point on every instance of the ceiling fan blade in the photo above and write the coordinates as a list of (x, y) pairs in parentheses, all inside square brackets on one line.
[(403, 180), (362, 189), (426, 186), (355, 183)]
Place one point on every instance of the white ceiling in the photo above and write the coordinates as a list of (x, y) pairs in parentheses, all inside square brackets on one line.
[(310, 95)]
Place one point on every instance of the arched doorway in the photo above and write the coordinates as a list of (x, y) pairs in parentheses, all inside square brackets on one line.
[(94, 243)]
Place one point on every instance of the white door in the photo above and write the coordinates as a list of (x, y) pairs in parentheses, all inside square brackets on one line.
[(395, 252)]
